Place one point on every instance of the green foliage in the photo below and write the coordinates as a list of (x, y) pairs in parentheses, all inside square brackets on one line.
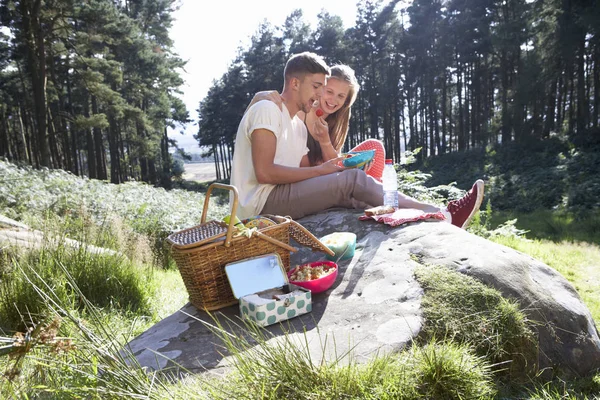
[(280, 369), (445, 371), (547, 174), (461, 309), (110, 84), (133, 212), (76, 355), (554, 225)]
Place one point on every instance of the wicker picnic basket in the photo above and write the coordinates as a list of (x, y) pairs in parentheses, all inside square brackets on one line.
[(201, 252)]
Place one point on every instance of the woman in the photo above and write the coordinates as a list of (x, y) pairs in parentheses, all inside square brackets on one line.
[(328, 122)]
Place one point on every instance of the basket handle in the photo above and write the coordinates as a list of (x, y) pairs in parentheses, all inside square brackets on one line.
[(275, 241), (230, 228)]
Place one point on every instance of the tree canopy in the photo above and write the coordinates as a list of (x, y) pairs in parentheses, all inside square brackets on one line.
[(90, 87), (444, 76)]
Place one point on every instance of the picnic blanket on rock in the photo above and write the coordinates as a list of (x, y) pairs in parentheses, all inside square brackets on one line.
[(404, 216)]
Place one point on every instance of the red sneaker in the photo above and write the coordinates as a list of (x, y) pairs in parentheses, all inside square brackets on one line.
[(462, 210)]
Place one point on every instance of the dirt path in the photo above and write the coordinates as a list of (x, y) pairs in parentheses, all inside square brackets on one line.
[(199, 172)]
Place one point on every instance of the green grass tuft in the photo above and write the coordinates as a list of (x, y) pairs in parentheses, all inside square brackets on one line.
[(459, 308), (106, 280)]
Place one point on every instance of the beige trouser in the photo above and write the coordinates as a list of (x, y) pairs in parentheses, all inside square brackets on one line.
[(349, 189)]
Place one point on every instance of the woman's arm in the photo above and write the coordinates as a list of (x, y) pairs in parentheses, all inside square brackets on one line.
[(271, 95)]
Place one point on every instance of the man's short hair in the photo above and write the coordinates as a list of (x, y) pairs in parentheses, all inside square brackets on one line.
[(305, 63)]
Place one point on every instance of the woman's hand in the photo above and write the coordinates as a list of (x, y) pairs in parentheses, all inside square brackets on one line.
[(270, 95), (320, 131)]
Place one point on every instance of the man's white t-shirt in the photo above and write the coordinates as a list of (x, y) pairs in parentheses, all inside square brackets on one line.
[(291, 137)]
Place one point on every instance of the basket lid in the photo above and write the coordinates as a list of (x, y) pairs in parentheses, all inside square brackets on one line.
[(191, 237), (255, 274)]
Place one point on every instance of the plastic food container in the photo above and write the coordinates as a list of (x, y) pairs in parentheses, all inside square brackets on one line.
[(358, 159), (265, 295), (316, 285), (343, 244)]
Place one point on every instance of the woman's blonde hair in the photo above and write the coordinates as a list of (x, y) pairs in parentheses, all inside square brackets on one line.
[(339, 121)]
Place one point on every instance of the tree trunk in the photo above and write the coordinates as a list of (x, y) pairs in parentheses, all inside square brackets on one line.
[(98, 145), (91, 154), (596, 85), (571, 78), (560, 112), (36, 65), (506, 135), (73, 133), (581, 99), (411, 121), (113, 150), (461, 126), (443, 110), (551, 110)]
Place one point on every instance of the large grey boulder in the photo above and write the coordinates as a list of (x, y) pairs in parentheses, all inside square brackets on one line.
[(568, 337), (374, 306)]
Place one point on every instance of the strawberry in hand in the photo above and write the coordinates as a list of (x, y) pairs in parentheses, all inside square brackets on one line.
[(319, 112)]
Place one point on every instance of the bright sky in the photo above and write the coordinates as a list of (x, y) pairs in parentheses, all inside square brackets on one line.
[(208, 34)]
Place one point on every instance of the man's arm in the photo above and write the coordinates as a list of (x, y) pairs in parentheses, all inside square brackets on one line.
[(264, 144)]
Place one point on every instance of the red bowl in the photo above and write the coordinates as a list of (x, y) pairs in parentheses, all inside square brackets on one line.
[(317, 285)]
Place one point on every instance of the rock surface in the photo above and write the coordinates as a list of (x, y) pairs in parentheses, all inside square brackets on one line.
[(374, 306)]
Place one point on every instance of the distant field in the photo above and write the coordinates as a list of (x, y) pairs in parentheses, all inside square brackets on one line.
[(200, 172)]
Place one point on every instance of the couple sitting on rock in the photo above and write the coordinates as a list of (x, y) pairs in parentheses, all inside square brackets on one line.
[(286, 159)]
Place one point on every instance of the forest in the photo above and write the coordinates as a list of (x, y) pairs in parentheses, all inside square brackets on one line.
[(440, 76), (90, 87)]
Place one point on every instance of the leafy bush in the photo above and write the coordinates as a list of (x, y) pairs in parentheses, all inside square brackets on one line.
[(37, 196), (543, 174)]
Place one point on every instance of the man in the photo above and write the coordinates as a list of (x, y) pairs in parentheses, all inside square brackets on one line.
[(270, 145)]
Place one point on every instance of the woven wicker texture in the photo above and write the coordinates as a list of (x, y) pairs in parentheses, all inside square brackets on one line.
[(203, 268), (197, 235)]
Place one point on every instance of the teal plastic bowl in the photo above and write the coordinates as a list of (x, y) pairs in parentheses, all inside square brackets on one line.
[(343, 245), (358, 159)]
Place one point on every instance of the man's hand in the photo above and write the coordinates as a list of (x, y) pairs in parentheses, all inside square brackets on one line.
[(332, 166)]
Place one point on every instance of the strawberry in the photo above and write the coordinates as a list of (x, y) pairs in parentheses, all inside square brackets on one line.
[(319, 112)]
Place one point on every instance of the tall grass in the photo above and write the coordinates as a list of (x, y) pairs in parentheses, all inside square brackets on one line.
[(283, 369), (135, 210), (105, 280), (90, 363)]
